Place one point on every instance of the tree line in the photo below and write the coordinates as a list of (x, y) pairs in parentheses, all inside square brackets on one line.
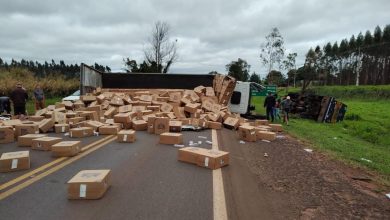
[(360, 60), (49, 68)]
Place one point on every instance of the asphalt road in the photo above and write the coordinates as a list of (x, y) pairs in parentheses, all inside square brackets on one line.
[(147, 183)]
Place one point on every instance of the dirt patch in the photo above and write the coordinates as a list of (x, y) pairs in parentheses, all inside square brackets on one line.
[(312, 185)]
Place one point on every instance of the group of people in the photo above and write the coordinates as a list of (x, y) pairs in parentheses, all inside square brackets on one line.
[(19, 97), (273, 107)]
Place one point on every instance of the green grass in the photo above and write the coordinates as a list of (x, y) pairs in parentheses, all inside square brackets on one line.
[(364, 133), (30, 106)]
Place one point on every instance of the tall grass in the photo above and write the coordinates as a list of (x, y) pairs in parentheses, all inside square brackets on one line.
[(53, 85), (353, 92)]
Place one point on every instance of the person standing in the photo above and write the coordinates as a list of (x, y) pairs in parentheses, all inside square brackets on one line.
[(286, 106), (269, 104), (19, 98), (277, 110), (39, 98)]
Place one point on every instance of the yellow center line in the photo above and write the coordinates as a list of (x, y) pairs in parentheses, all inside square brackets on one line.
[(43, 167), (53, 169), (219, 202)]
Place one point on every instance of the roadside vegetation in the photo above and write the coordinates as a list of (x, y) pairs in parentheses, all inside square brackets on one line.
[(55, 85), (362, 139)]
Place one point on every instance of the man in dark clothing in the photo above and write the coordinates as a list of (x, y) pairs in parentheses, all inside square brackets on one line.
[(269, 104), (19, 98)]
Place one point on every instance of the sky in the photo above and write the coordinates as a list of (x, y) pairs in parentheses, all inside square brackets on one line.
[(209, 33)]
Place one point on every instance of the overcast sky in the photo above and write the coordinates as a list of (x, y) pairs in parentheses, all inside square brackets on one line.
[(210, 34)]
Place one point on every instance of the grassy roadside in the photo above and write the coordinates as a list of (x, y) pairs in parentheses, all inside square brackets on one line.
[(363, 135)]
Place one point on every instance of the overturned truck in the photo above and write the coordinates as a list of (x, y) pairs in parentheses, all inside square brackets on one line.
[(319, 108)]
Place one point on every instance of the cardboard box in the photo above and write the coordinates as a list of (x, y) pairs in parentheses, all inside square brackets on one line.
[(44, 143), (110, 112), (61, 128), (46, 124), (231, 123), (95, 108), (171, 138), (26, 140), (145, 98), (36, 118), (13, 161), (109, 129), (89, 184), (175, 97), (261, 122), (23, 129), (192, 107), (151, 121), (161, 125), (126, 136), (214, 125), (266, 135), (139, 108), (117, 101), (179, 112), (41, 112), (12, 122), (88, 98), (125, 108), (122, 118), (212, 159), (165, 107), (207, 104), (276, 127), (7, 134), (81, 132), (247, 133), (75, 120), (66, 149), (140, 125), (214, 117), (210, 91), (175, 126), (93, 124)]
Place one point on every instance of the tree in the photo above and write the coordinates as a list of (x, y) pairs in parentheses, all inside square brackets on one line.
[(161, 51), (272, 50), (275, 77), (289, 64), (368, 39), (310, 69), (377, 35), (254, 78), (239, 69), (386, 33), (360, 40)]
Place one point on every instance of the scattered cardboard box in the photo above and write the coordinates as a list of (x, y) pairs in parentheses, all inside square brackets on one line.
[(212, 159), (23, 129), (66, 149), (44, 143), (109, 130), (13, 161), (276, 127), (89, 184), (126, 136), (81, 132), (26, 140), (266, 135), (61, 128), (175, 126), (171, 138), (7, 134), (247, 133)]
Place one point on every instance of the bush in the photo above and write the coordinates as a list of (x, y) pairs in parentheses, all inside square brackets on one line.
[(53, 85)]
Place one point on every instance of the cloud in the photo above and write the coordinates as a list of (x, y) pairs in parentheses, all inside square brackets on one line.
[(210, 34)]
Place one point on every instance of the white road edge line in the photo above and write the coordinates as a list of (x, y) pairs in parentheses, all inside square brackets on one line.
[(219, 202)]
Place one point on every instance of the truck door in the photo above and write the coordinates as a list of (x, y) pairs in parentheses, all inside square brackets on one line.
[(90, 79)]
